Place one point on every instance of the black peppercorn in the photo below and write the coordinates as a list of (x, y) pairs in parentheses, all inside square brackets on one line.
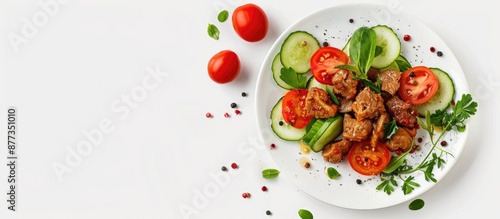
[(233, 105), (439, 53), (243, 94), (268, 212), (358, 181)]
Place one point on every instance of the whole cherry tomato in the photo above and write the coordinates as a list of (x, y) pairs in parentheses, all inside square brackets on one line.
[(250, 22), (224, 67)]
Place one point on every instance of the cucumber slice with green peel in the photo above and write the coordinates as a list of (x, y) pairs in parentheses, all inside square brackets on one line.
[(329, 131), (443, 97), (390, 44), (312, 82), (276, 69), (401, 64), (316, 126), (297, 49), (282, 129)]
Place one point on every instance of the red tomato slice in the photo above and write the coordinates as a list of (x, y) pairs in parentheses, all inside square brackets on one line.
[(367, 160), (293, 110), (323, 63), (418, 85)]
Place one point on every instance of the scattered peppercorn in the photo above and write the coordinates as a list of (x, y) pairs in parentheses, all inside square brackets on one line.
[(419, 140), (439, 53), (268, 212), (208, 115), (237, 112), (243, 94), (433, 49), (234, 165), (406, 37), (325, 44), (233, 105), (226, 115), (223, 168), (398, 152), (281, 123), (444, 143), (307, 165), (412, 74), (351, 20), (245, 195), (273, 146), (264, 188), (358, 181)]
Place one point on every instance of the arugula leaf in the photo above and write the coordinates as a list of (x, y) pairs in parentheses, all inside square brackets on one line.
[(222, 16), (213, 31), (292, 78)]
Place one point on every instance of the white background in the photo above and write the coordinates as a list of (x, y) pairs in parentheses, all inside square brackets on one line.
[(71, 74)]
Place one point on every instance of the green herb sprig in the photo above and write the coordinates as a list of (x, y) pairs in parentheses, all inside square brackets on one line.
[(447, 120)]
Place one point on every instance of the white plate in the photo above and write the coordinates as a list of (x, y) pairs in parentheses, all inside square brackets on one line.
[(332, 25)]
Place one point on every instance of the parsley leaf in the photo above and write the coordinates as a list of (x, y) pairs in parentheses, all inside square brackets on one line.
[(461, 111), (409, 185), (292, 78)]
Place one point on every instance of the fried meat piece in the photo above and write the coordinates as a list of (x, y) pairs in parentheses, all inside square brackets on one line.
[(390, 81), (356, 130), (336, 151), (402, 112), (401, 140), (368, 104), (344, 85), (319, 104)]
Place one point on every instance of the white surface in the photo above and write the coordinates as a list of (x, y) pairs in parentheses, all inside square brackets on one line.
[(81, 64), (331, 25)]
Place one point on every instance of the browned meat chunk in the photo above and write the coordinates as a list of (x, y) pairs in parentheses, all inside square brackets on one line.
[(368, 105), (373, 74), (335, 151), (378, 129), (356, 130), (401, 140), (345, 105), (319, 104), (344, 85), (390, 81), (402, 112)]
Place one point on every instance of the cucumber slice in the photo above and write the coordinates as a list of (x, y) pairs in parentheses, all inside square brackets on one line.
[(276, 68), (388, 40), (284, 131), (316, 126), (297, 49), (401, 64), (329, 131), (443, 97), (312, 82)]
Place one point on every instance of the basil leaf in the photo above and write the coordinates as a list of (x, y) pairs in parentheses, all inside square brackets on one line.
[(402, 65), (362, 48), (378, 51), (333, 173), (213, 31), (416, 204), (270, 173), (305, 214), (223, 15)]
